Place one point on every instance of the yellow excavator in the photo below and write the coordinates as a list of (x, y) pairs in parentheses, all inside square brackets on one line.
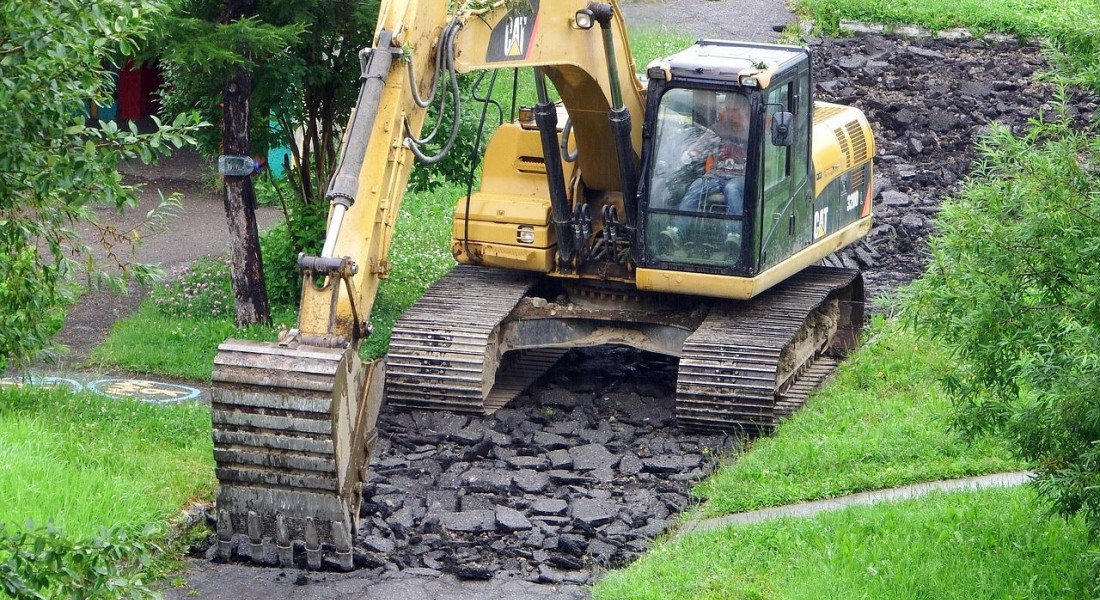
[(595, 223)]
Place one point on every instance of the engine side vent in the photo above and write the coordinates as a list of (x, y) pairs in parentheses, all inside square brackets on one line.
[(824, 112), (858, 141), (857, 180), (530, 164), (844, 146)]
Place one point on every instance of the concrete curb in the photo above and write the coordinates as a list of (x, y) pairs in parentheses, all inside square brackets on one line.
[(809, 509), (918, 32)]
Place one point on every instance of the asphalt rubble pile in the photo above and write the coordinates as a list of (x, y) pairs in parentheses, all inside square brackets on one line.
[(582, 471), (578, 474), (586, 468), (929, 102)]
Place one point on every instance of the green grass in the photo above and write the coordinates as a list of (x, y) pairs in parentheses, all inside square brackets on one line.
[(988, 544), (85, 462), (1021, 17), (151, 342), (882, 423)]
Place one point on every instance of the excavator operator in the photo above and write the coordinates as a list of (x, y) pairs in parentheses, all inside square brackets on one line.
[(723, 153)]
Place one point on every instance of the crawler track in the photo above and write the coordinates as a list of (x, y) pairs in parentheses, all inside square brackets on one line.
[(751, 363), (747, 364), (445, 351)]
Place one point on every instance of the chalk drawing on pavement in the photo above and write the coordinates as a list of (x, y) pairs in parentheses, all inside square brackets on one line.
[(156, 392), (61, 383)]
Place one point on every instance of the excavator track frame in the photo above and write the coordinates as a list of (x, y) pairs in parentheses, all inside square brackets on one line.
[(446, 352), (744, 364), (751, 363)]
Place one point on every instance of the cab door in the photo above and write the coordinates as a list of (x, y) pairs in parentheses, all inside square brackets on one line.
[(786, 211)]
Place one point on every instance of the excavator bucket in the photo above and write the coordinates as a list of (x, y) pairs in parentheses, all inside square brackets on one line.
[(293, 431)]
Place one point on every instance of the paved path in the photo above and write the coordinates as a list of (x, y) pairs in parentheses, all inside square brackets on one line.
[(809, 509), (237, 582), (742, 20)]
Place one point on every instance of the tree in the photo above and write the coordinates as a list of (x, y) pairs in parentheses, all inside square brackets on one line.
[(302, 56), (219, 44), (54, 168), (1013, 290), (249, 292)]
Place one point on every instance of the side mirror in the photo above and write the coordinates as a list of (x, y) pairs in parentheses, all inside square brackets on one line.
[(782, 129)]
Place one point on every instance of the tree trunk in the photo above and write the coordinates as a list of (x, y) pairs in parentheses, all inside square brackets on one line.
[(249, 290)]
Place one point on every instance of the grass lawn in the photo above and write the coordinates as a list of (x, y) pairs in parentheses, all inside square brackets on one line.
[(85, 462), (879, 424), (1022, 17), (989, 544), (150, 341)]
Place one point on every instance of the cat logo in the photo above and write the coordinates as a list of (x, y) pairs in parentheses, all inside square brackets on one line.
[(514, 35), (511, 38), (821, 223)]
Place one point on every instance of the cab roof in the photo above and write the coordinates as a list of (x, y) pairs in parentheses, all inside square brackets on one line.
[(727, 62)]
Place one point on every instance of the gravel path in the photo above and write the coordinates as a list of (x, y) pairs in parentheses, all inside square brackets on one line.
[(753, 21)]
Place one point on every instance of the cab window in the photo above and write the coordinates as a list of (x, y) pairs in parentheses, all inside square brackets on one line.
[(697, 180)]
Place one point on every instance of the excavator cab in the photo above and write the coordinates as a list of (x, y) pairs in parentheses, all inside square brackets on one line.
[(725, 158)]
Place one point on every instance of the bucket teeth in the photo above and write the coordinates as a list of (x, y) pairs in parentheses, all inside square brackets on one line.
[(293, 430), (313, 544), (225, 535), (283, 547)]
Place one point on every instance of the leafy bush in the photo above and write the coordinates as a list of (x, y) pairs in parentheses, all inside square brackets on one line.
[(455, 166), (55, 168), (302, 230), (42, 563), (200, 290), (1013, 291), (31, 316)]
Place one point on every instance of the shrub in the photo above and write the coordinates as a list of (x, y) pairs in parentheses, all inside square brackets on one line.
[(42, 563), (1012, 290), (302, 230)]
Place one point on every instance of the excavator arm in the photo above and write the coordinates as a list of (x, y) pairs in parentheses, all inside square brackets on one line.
[(294, 420)]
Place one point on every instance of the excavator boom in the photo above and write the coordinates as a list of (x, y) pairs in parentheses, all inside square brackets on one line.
[(294, 420)]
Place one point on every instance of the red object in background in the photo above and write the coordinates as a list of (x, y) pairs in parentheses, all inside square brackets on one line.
[(136, 86)]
